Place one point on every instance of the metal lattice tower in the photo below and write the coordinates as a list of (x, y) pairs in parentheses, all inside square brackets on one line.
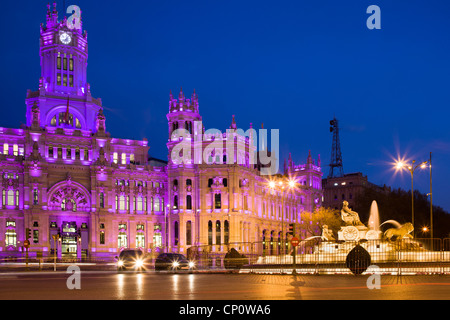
[(336, 168)]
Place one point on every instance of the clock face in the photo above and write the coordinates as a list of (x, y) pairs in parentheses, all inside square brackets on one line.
[(65, 38)]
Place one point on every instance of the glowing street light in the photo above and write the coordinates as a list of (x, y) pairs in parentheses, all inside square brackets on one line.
[(411, 168)]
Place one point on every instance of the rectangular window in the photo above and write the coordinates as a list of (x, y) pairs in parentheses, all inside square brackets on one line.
[(102, 200), (71, 80), (15, 149), (58, 63), (124, 158), (102, 237), (10, 197), (140, 240), (122, 203), (5, 148), (217, 201), (139, 206), (122, 240), (58, 79), (11, 224), (188, 233), (122, 226), (156, 204), (115, 157), (11, 238), (71, 64), (189, 202), (65, 64), (35, 197), (65, 80)]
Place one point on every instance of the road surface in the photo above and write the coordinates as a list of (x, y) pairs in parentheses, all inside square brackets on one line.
[(109, 285)]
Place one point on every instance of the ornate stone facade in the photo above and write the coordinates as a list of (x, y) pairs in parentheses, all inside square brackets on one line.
[(63, 174)]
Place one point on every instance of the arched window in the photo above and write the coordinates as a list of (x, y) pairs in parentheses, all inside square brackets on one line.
[(218, 232), (175, 202), (122, 239), (210, 232), (68, 205), (67, 120), (175, 233), (226, 232)]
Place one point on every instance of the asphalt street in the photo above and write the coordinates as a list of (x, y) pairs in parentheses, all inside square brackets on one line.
[(110, 285)]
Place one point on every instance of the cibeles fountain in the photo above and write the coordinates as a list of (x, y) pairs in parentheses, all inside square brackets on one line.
[(330, 254), (370, 237)]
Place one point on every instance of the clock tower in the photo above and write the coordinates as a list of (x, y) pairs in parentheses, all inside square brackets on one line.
[(63, 85)]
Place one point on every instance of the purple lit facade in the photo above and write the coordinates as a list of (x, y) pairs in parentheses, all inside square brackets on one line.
[(62, 173)]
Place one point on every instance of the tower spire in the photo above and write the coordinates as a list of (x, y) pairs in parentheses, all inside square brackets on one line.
[(336, 157)]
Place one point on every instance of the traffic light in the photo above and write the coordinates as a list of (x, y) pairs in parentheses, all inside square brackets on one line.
[(27, 233), (291, 230)]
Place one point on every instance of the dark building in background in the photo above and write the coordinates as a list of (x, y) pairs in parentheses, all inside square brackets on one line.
[(346, 187)]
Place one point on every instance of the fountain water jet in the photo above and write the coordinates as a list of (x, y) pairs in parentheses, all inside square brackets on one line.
[(374, 218)]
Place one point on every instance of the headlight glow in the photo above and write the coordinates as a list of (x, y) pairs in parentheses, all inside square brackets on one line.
[(120, 263), (191, 264), (175, 264), (139, 263)]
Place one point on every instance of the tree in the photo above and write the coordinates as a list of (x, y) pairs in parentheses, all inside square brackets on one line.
[(312, 222)]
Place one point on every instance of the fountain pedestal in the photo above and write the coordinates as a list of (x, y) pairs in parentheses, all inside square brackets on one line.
[(356, 233)]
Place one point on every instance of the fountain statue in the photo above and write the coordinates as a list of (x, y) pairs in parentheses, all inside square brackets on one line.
[(354, 229), (400, 232), (348, 216), (327, 234)]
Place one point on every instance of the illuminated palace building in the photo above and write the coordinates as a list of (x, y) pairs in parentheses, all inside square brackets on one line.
[(62, 174)]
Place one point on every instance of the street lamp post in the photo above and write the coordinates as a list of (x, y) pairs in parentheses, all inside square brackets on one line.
[(431, 202), (411, 168), (283, 185), (55, 241), (166, 228)]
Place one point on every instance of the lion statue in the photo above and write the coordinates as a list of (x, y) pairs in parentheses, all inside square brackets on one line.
[(400, 232)]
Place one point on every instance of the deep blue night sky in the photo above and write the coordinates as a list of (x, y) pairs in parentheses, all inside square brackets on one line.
[(291, 65)]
